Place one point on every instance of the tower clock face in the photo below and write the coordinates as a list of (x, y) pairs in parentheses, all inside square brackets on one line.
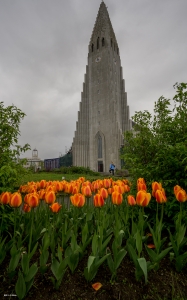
[(98, 59)]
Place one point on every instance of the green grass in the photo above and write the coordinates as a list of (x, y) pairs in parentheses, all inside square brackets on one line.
[(55, 176)]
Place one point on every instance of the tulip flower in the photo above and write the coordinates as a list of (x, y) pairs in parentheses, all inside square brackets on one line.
[(106, 183), (119, 188), (55, 207), (26, 208), (15, 200), (41, 194), (143, 198), (5, 198), (110, 191), (98, 200), (156, 186), (33, 200), (103, 192), (42, 184), (141, 186), (117, 198), (50, 197), (181, 195), (131, 200), (86, 191), (176, 189), (78, 200), (160, 196)]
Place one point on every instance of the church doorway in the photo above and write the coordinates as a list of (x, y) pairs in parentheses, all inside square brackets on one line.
[(100, 166)]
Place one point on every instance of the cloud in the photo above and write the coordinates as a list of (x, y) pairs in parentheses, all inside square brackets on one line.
[(43, 57)]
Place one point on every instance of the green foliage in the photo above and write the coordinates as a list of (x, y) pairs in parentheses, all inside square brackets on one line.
[(76, 170), (157, 148), (10, 168)]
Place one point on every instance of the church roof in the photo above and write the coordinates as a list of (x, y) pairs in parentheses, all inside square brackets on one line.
[(103, 24)]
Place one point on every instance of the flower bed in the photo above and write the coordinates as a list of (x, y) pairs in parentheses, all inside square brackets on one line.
[(54, 227)]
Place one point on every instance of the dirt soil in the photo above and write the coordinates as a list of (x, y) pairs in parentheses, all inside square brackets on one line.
[(163, 284)]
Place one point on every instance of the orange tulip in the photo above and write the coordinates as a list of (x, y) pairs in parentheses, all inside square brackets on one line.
[(106, 183), (143, 198), (117, 198), (41, 194), (98, 200), (15, 200), (55, 207), (33, 200), (26, 208), (126, 188), (119, 188), (86, 191), (177, 188), (181, 195), (110, 191), (5, 198), (140, 180), (42, 184), (50, 197), (58, 186), (156, 186), (103, 192), (141, 186), (160, 196), (75, 190), (78, 200), (131, 200)]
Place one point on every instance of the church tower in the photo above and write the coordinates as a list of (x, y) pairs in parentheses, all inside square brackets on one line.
[(103, 115)]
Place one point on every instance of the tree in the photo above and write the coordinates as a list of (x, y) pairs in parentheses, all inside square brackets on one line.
[(157, 149), (10, 167)]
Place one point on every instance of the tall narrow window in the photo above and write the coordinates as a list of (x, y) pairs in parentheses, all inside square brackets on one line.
[(92, 47), (98, 43), (103, 42), (111, 42), (99, 143)]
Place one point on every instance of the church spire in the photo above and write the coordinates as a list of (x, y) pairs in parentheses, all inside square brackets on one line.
[(103, 25)]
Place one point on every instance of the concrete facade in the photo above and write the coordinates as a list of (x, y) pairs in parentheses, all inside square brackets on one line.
[(103, 115)]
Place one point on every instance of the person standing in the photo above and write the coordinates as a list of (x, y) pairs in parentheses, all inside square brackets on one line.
[(112, 168)]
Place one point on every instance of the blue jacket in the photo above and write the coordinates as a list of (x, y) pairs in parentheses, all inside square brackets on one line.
[(112, 167)]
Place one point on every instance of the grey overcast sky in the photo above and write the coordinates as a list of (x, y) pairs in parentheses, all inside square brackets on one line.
[(43, 57)]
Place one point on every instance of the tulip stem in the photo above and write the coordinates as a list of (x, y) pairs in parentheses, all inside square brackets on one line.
[(30, 238)]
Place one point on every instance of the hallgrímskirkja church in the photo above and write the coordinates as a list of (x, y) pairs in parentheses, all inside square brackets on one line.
[(103, 116)]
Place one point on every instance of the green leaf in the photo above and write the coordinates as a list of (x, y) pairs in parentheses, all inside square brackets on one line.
[(20, 287), (143, 265), (90, 262), (31, 273), (121, 254)]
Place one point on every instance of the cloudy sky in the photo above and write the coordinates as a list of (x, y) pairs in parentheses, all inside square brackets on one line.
[(43, 57)]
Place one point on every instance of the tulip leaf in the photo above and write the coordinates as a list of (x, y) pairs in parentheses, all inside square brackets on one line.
[(143, 265), (111, 263), (33, 251), (90, 262), (32, 272), (20, 287), (121, 254)]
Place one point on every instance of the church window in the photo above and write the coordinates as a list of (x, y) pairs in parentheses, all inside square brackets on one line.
[(114, 46), (98, 112), (99, 144), (111, 42), (103, 41), (117, 50), (92, 47), (98, 43)]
